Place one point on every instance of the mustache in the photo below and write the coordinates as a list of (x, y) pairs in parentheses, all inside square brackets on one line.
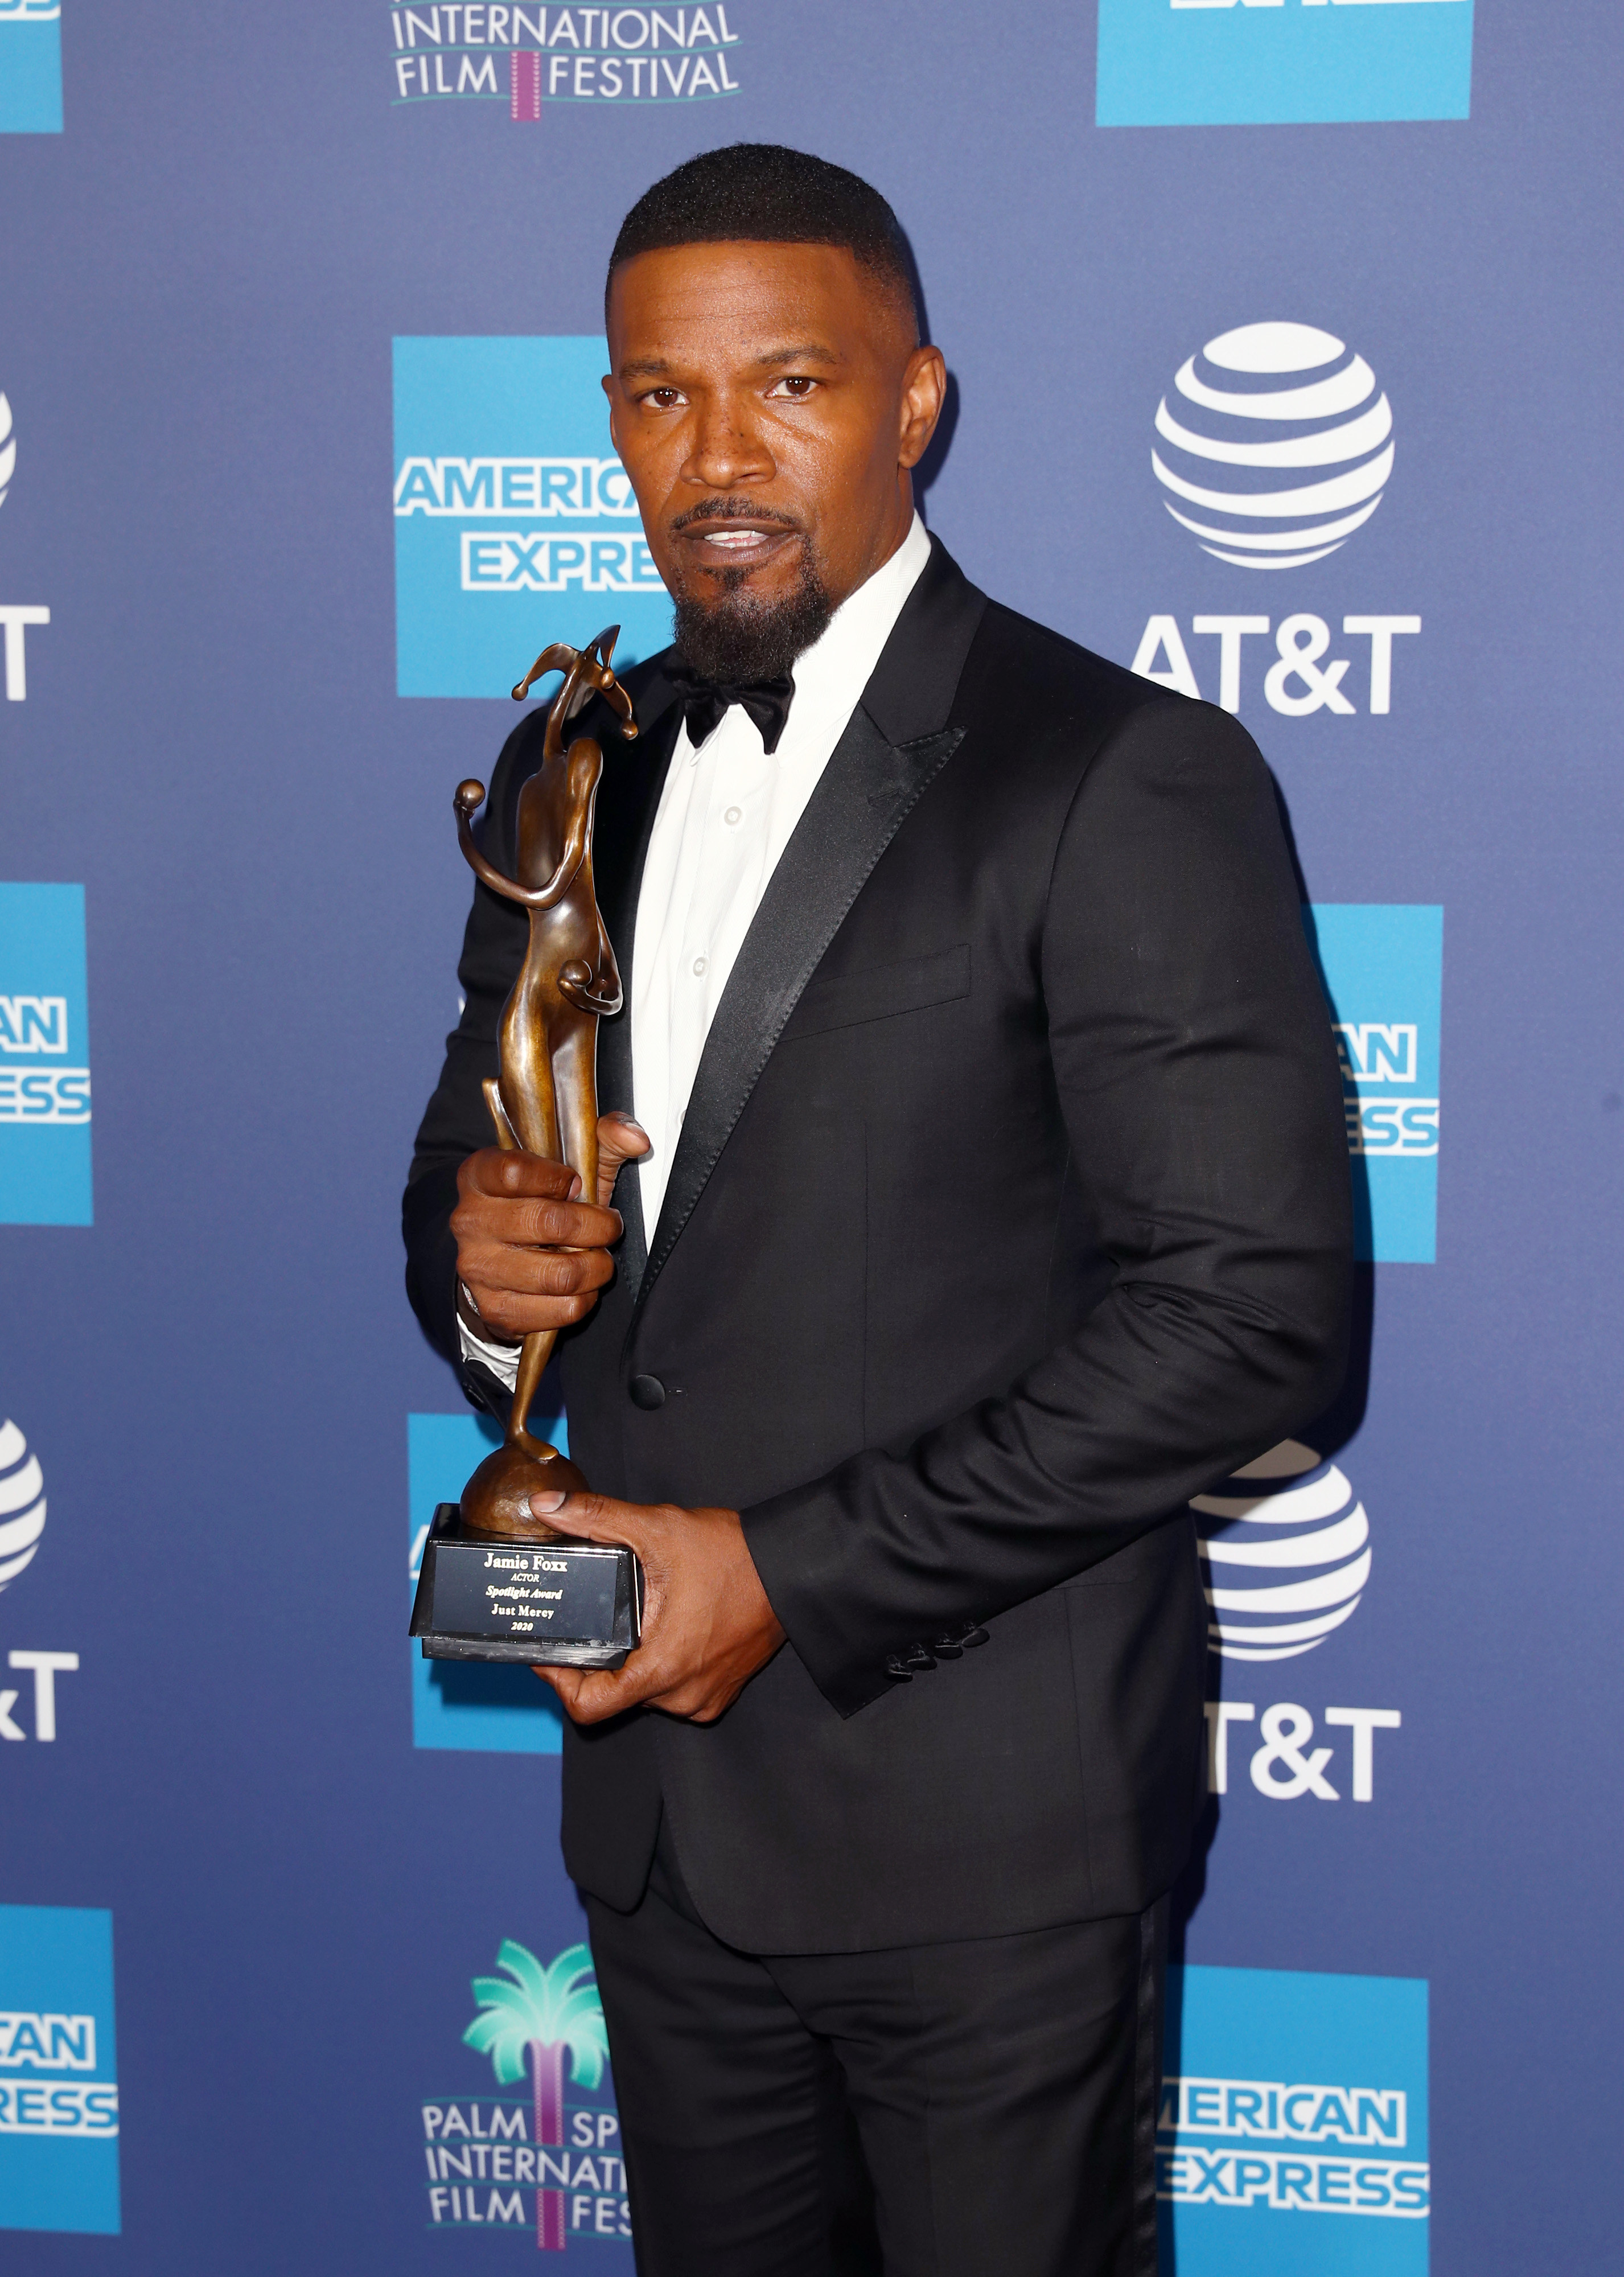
[(734, 510)]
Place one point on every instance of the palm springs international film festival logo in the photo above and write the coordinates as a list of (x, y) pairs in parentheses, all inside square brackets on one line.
[(514, 522), (542, 2162), (1286, 1554), (30, 67), (1263, 63), (524, 58)]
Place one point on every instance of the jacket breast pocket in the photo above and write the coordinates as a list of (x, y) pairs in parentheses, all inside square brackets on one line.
[(884, 990)]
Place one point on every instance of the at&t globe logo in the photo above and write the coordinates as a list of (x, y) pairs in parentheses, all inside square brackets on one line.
[(1286, 1554), (22, 1504), (8, 449), (1274, 445)]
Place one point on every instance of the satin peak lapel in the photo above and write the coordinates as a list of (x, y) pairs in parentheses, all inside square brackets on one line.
[(861, 801)]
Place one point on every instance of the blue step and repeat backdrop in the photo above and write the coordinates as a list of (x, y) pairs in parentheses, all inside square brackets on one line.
[(1285, 340)]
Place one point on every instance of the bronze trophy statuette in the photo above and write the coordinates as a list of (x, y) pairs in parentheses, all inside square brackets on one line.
[(498, 1583)]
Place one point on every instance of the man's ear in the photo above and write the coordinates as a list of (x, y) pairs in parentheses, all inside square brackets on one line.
[(607, 384), (924, 386)]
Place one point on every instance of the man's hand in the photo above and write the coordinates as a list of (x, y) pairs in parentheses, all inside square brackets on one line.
[(530, 1252), (707, 1626)]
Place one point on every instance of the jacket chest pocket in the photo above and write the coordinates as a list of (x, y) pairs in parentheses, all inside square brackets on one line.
[(880, 992)]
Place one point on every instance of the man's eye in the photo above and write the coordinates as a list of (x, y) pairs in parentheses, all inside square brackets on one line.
[(663, 398), (793, 385)]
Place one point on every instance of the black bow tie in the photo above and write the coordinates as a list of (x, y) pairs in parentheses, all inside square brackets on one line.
[(704, 701)]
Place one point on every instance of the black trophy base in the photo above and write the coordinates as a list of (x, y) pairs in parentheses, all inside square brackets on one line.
[(553, 1604)]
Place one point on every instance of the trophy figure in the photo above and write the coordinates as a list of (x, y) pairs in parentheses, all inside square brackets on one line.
[(498, 1583)]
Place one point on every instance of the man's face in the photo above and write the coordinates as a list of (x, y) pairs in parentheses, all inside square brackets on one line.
[(767, 402)]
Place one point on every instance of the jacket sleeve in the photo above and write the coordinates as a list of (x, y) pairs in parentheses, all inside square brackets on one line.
[(1194, 1068), (457, 1123)]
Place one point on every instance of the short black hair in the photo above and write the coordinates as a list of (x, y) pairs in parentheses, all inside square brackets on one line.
[(764, 192)]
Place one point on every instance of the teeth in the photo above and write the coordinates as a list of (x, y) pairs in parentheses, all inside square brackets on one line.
[(733, 537)]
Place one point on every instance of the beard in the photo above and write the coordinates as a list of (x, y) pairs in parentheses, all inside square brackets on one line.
[(740, 637)]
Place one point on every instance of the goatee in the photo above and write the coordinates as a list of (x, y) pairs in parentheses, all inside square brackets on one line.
[(741, 637)]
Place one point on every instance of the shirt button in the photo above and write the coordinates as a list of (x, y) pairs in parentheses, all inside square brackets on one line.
[(734, 814), (699, 964)]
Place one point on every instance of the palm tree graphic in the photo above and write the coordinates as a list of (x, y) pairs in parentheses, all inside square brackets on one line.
[(547, 2013)]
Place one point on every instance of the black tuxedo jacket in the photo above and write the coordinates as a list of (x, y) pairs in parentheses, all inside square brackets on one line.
[(1010, 1208)]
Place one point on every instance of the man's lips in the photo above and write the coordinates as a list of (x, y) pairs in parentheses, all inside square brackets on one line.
[(734, 542)]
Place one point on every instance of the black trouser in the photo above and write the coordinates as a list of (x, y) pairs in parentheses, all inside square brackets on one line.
[(985, 2109)]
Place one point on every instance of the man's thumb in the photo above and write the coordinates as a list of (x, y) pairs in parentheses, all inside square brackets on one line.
[(578, 1514), (619, 1140)]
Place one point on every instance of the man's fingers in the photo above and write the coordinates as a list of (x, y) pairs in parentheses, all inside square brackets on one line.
[(484, 1264), (530, 1251), (517, 1290), (534, 1221), (559, 1225), (707, 1626), (601, 1693), (565, 1681), (592, 1695), (511, 1318), (556, 1211), (581, 1693), (507, 1171)]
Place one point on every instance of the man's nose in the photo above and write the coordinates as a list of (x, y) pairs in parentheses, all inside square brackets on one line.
[(727, 448)]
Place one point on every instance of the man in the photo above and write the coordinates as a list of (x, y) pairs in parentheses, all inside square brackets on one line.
[(986, 1196)]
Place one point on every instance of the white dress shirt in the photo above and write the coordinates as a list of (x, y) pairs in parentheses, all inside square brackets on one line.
[(727, 812)]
